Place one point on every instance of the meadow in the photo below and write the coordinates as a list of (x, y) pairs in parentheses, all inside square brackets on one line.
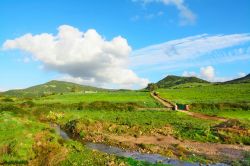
[(215, 93), (140, 97), (25, 140), (26, 137)]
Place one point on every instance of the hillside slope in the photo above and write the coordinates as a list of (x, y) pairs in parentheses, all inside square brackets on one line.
[(51, 88), (171, 81), (245, 79)]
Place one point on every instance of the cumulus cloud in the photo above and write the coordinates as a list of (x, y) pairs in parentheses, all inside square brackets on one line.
[(85, 56), (186, 15), (189, 74), (208, 73)]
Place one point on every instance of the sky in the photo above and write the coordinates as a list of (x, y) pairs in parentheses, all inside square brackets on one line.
[(122, 44)]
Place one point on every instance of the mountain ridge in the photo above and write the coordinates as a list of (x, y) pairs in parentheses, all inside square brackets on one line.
[(172, 80), (51, 87), (55, 86), (245, 79)]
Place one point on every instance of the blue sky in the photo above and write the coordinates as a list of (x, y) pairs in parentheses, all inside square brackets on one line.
[(205, 38)]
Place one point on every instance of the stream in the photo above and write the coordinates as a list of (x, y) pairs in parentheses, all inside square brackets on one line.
[(151, 158)]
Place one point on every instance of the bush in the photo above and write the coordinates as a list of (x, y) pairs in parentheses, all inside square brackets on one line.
[(28, 103), (220, 106), (48, 150), (7, 99), (103, 105), (9, 107), (232, 132), (232, 123)]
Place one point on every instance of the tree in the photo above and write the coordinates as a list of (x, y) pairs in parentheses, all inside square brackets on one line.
[(74, 89), (152, 87)]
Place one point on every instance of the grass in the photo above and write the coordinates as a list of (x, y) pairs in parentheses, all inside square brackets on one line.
[(26, 141), (232, 93), (144, 122), (232, 114), (26, 138), (142, 98), (16, 138)]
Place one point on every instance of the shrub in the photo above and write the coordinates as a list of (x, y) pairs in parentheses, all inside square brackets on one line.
[(48, 151), (220, 106), (104, 105), (28, 103), (10, 107), (7, 99)]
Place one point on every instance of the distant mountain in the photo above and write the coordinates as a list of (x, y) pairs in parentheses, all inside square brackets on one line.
[(51, 87), (172, 80), (245, 79)]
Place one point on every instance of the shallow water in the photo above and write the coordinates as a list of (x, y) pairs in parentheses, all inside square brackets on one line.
[(152, 158), (59, 131)]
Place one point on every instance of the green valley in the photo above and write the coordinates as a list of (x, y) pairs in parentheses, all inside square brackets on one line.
[(127, 119)]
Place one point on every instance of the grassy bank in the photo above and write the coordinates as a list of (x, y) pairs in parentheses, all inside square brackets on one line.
[(26, 141)]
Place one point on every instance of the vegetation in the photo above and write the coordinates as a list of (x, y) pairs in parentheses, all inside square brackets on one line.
[(171, 81), (152, 87), (139, 97), (215, 93), (245, 79), (27, 137), (26, 141), (51, 88)]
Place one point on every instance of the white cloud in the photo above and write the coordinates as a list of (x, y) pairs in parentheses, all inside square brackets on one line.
[(81, 55), (147, 16), (194, 51), (207, 72), (5, 89), (241, 74), (186, 15), (189, 74)]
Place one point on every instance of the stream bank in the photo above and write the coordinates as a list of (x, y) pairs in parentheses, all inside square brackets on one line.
[(112, 150)]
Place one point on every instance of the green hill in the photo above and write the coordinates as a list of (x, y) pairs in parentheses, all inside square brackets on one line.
[(245, 79), (49, 88), (171, 81)]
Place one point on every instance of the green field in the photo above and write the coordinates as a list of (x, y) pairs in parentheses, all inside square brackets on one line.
[(141, 98), (145, 122), (26, 136), (221, 93), (26, 141)]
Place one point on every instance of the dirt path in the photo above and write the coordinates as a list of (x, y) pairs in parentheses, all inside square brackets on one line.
[(154, 109), (209, 149), (202, 116), (168, 105), (162, 101)]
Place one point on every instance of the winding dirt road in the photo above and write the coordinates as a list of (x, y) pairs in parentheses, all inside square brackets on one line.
[(169, 105)]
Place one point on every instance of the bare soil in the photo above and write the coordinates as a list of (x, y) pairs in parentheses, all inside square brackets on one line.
[(213, 150)]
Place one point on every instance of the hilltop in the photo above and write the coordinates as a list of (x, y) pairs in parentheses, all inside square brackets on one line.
[(51, 87), (172, 80), (245, 79), (55, 87)]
